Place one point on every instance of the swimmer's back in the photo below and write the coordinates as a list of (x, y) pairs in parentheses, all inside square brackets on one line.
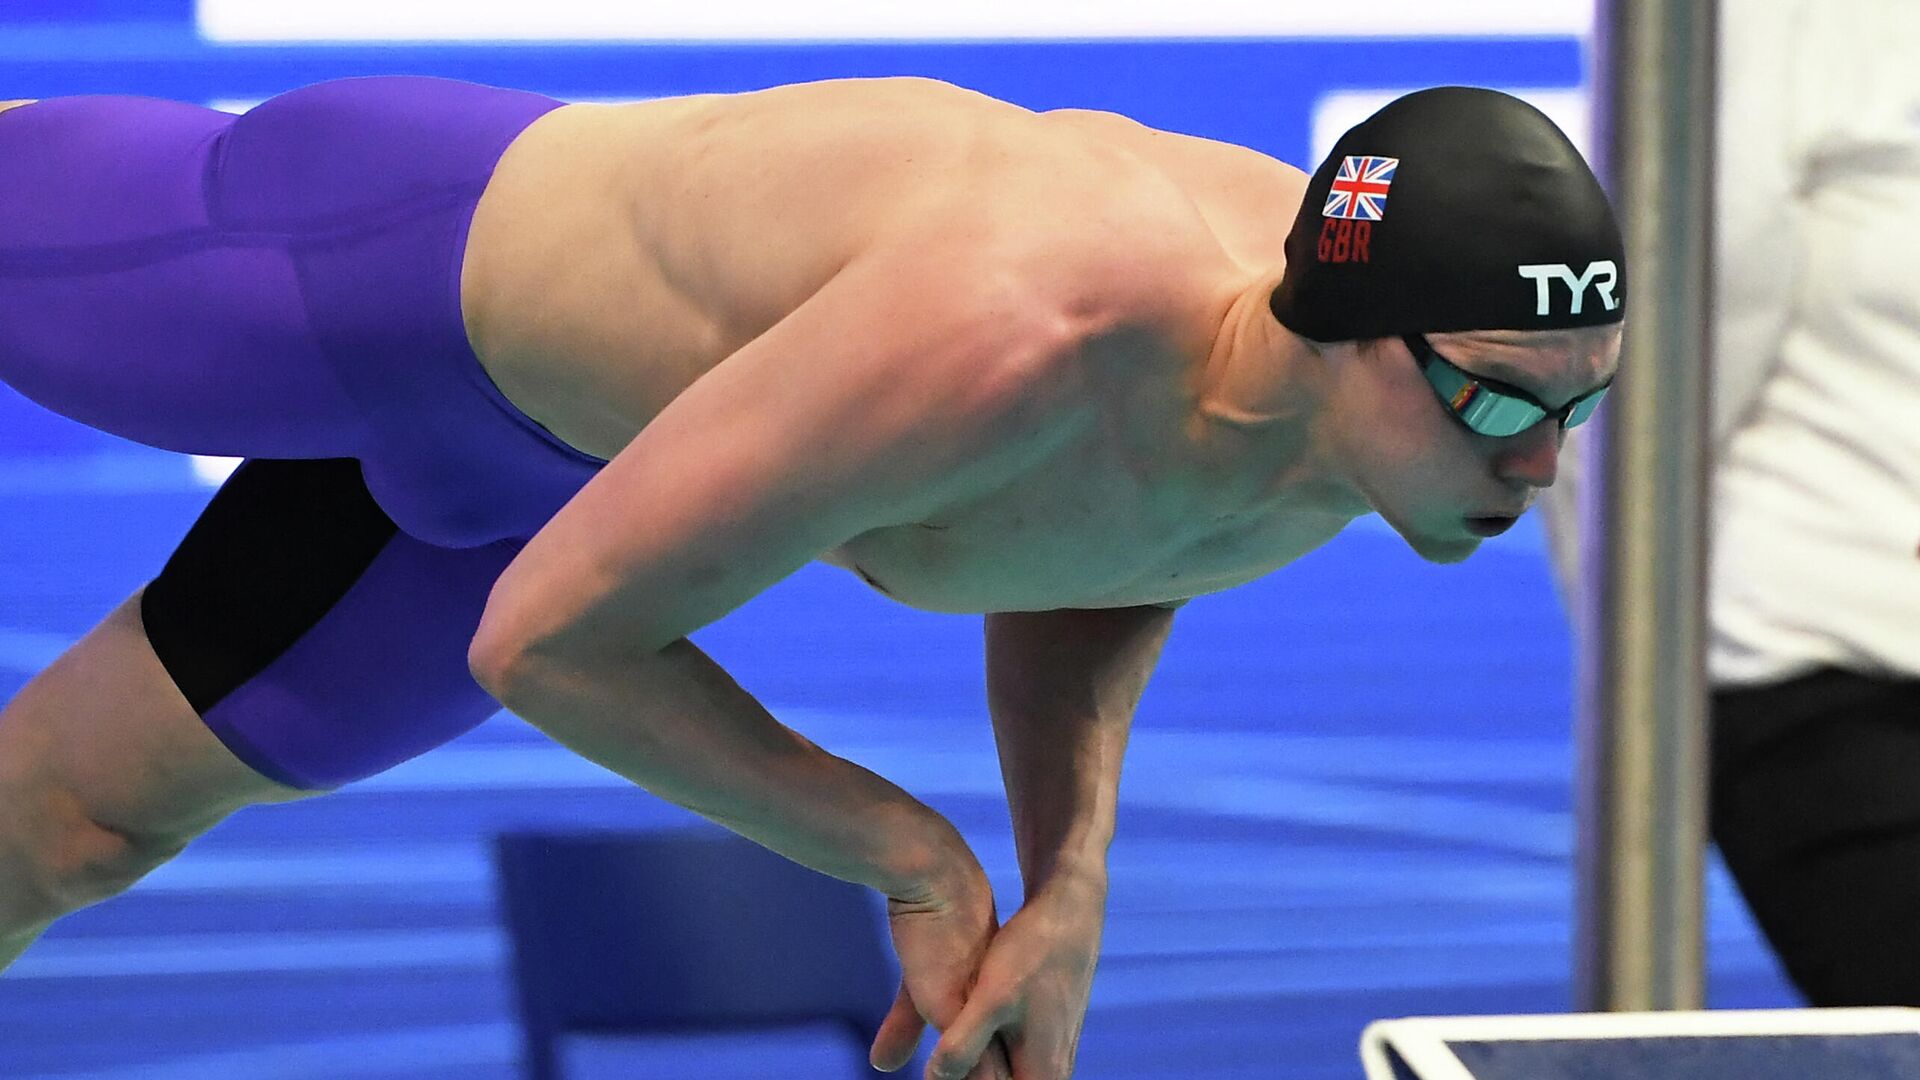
[(621, 251)]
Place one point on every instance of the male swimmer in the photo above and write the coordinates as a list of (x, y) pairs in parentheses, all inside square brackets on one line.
[(529, 393)]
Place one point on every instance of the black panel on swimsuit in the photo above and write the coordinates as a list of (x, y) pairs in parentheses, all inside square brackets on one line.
[(279, 545)]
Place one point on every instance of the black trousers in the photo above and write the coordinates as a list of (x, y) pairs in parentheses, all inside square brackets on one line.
[(1816, 808)]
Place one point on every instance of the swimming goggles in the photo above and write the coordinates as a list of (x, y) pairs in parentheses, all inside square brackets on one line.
[(1489, 406)]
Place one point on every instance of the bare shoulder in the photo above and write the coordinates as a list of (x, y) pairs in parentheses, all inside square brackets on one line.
[(947, 356), (1221, 154), (1054, 285), (1192, 156), (1247, 198)]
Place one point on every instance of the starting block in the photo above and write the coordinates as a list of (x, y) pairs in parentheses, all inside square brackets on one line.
[(1774, 1044)]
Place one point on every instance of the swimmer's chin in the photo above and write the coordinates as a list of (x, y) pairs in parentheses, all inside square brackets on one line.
[(1447, 552), (1440, 551)]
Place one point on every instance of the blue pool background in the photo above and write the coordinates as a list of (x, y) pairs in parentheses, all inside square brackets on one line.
[(1348, 795)]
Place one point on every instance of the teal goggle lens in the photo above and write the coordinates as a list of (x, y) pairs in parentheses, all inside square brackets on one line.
[(1488, 406)]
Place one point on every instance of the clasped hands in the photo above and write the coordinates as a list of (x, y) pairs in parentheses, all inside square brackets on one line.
[(1008, 1001)]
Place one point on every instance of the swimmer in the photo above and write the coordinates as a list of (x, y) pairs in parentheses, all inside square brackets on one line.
[(530, 392)]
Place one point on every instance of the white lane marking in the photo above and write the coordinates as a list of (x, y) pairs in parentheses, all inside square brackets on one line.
[(874, 20)]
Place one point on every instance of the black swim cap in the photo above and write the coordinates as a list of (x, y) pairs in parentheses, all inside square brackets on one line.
[(1455, 208)]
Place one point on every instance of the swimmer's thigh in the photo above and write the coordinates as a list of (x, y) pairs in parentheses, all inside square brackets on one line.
[(105, 774), (317, 642), (102, 743), (296, 641)]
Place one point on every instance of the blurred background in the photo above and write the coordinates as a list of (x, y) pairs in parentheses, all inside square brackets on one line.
[(1349, 791)]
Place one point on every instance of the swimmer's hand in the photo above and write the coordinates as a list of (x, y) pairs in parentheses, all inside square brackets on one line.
[(1031, 993), (941, 935)]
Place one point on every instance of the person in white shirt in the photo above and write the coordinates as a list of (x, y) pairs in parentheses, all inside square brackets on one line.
[(1814, 581)]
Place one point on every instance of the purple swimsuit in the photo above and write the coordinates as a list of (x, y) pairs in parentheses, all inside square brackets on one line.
[(284, 286)]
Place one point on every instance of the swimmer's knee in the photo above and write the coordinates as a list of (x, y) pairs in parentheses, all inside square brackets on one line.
[(95, 860), (56, 857)]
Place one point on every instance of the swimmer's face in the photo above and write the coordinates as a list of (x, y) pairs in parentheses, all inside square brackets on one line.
[(1443, 487)]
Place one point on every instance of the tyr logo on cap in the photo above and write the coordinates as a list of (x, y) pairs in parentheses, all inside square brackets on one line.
[(1602, 275)]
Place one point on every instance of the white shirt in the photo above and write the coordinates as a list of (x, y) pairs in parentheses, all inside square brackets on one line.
[(1816, 498), (1815, 551)]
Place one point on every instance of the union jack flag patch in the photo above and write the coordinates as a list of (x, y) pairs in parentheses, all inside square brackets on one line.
[(1360, 188)]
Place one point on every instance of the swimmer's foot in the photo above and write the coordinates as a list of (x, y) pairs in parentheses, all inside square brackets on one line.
[(16, 103)]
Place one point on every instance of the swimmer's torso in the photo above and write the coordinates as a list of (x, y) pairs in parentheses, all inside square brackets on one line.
[(622, 251)]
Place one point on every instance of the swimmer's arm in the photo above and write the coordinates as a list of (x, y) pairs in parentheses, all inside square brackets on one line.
[(1062, 687), (877, 401)]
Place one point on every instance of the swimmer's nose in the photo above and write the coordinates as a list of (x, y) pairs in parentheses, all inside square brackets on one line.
[(1531, 457)]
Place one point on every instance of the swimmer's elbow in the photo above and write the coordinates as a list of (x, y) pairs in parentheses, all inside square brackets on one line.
[(520, 675), (498, 654), (498, 664), (515, 651), (527, 647)]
